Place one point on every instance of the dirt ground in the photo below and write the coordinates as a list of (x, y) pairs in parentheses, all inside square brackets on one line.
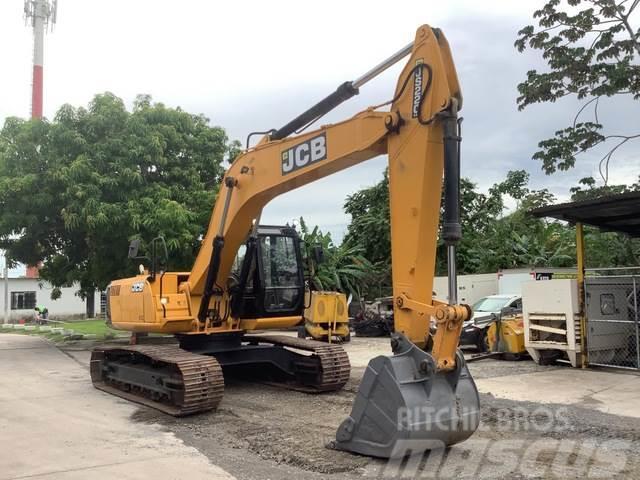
[(264, 432)]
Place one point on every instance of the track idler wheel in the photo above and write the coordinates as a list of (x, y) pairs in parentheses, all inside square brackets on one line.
[(404, 406)]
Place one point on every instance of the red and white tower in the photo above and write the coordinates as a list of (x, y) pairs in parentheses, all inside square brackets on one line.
[(41, 14)]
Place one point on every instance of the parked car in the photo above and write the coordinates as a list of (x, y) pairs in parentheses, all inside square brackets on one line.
[(485, 312)]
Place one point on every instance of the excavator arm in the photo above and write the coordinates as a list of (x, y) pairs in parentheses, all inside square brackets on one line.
[(412, 133)]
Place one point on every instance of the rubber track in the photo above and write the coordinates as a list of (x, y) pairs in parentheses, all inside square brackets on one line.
[(334, 362), (202, 379)]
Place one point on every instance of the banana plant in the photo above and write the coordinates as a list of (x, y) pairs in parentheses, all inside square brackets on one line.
[(343, 269)]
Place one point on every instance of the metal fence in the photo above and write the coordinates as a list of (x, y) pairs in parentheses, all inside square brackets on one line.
[(612, 298)]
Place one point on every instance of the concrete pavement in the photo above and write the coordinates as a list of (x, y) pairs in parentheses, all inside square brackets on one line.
[(55, 425), (609, 391), (614, 392)]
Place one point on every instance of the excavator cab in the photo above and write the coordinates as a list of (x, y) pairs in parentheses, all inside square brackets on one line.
[(268, 278)]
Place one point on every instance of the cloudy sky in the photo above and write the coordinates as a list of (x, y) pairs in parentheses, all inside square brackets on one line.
[(253, 65)]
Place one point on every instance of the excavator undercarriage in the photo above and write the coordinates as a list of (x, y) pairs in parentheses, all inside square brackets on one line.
[(164, 377), (187, 378)]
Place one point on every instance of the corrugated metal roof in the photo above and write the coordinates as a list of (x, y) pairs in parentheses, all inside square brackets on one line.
[(616, 213)]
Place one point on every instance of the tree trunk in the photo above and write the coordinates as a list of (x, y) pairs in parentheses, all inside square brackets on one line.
[(90, 303)]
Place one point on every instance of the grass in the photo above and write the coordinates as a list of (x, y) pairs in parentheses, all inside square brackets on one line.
[(90, 327), (55, 337), (96, 327)]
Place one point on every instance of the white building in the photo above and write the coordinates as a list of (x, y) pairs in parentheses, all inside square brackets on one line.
[(471, 288), (26, 293)]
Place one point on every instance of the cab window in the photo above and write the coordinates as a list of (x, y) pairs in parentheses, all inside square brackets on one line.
[(281, 277), (279, 261)]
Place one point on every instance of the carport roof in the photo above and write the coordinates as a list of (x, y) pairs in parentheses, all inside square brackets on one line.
[(617, 213)]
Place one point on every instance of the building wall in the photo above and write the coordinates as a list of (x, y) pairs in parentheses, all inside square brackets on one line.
[(68, 305), (510, 281), (471, 288)]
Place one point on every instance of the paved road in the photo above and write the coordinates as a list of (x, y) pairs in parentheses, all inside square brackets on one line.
[(54, 425)]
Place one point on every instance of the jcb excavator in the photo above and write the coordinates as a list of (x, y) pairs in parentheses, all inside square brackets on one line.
[(421, 396)]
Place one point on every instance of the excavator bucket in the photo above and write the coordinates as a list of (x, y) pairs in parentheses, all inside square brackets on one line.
[(404, 406)]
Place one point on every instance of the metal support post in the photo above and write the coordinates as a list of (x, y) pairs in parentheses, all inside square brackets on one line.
[(5, 272), (581, 294), (635, 309)]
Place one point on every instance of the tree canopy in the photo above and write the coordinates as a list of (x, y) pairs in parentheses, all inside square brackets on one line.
[(75, 190), (591, 48), (494, 236)]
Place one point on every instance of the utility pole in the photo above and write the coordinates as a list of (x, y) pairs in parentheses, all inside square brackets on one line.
[(5, 274)]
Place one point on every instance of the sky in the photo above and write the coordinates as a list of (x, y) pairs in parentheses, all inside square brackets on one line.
[(254, 65)]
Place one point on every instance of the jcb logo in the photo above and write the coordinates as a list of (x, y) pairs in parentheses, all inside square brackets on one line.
[(304, 154)]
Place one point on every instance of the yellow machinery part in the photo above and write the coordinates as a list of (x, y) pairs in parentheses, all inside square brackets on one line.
[(326, 316), (512, 340)]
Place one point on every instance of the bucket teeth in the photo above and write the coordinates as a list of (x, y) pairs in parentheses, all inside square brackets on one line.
[(404, 406)]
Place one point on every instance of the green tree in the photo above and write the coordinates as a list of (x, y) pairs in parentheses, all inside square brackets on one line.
[(515, 239), (75, 190), (587, 189), (496, 238), (370, 233), (591, 48), (518, 240), (492, 239), (370, 222), (478, 213), (370, 226)]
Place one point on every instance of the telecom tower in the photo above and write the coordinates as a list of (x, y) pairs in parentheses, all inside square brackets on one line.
[(42, 15)]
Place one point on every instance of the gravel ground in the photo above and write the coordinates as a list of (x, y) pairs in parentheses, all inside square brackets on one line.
[(264, 432)]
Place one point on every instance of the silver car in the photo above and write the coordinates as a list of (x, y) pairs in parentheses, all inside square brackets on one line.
[(485, 312)]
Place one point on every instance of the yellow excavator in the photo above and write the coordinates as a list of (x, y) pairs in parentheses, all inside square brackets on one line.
[(249, 277)]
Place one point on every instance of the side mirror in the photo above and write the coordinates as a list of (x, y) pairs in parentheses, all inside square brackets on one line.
[(318, 253), (134, 246), (159, 254)]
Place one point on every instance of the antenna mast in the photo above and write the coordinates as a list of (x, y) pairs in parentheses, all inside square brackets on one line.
[(41, 14)]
